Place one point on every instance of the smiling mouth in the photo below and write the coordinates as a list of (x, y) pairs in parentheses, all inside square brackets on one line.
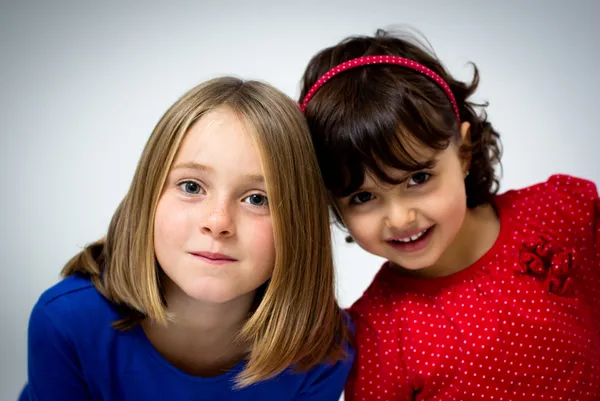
[(414, 243), (410, 239)]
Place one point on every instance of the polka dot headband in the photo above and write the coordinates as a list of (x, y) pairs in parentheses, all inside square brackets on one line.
[(366, 60)]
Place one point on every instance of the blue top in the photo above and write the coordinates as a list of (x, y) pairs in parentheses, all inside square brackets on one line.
[(75, 354)]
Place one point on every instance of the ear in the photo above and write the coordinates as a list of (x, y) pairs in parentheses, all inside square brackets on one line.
[(464, 148)]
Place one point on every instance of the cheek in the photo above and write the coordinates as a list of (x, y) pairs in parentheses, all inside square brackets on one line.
[(259, 239), (170, 223), (449, 203), (363, 228)]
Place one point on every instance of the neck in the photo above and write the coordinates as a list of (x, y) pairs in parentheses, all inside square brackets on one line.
[(200, 338), (205, 317)]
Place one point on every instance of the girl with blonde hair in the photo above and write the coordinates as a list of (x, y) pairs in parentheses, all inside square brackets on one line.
[(215, 279)]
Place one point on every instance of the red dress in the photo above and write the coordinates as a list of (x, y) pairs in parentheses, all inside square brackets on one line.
[(522, 323)]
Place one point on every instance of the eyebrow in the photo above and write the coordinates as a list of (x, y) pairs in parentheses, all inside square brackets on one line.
[(256, 178), (425, 165), (193, 166)]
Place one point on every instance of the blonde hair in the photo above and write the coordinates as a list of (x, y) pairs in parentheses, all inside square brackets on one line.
[(297, 320)]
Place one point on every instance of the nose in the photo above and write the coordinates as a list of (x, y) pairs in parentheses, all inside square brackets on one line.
[(400, 215), (218, 221)]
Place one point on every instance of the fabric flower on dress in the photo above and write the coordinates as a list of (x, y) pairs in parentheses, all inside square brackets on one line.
[(547, 260)]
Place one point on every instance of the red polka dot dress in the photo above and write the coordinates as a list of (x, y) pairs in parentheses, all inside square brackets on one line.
[(522, 323)]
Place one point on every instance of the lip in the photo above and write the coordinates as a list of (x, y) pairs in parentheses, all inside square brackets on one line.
[(213, 257), (413, 246)]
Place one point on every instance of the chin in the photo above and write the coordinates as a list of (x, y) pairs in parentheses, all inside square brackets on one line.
[(413, 267), (213, 297), (416, 264), (209, 291)]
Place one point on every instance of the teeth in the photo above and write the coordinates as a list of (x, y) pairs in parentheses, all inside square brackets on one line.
[(409, 239)]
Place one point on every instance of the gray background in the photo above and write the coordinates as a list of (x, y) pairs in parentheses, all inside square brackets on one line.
[(83, 83)]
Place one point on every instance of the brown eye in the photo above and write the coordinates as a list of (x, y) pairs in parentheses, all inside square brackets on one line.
[(361, 197), (419, 178)]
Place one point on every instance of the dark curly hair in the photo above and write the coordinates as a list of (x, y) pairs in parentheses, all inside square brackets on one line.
[(369, 118)]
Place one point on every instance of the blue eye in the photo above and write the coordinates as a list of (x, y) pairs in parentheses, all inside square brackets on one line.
[(190, 187), (419, 178), (257, 200), (361, 197)]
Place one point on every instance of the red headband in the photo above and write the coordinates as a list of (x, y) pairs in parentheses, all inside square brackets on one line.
[(360, 61)]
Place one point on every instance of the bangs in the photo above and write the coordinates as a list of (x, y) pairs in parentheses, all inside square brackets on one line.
[(385, 125)]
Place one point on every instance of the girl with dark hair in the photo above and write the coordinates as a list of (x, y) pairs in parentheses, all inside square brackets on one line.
[(483, 296)]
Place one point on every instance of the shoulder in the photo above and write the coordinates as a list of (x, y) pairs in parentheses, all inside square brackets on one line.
[(379, 370), (558, 188), (322, 381), (74, 285), (326, 381), (73, 294), (376, 315), (563, 205), (72, 305), (370, 305), (387, 294)]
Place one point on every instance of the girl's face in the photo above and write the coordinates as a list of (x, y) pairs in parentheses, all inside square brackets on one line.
[(411, 224), (212, 235)]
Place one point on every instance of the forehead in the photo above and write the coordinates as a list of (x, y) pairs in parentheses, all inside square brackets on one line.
[(220, 137)]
